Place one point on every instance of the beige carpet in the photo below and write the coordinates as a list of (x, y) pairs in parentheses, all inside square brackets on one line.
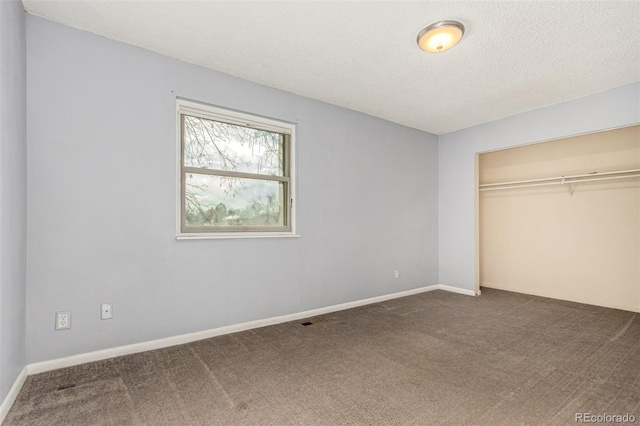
[(436, 358)]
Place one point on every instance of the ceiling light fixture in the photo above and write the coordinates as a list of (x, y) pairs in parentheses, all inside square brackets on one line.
[(440, 36)]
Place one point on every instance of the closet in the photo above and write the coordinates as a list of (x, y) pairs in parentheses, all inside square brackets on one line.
[(561, 219)]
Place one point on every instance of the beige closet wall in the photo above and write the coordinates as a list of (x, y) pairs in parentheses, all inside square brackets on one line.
[(583, 247)]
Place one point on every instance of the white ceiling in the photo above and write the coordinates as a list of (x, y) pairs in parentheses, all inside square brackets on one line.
[(514, 57)]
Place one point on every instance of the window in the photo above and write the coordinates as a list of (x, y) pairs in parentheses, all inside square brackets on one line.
[(236, 173)]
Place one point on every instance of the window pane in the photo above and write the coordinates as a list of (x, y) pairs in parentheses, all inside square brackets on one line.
[(218, 201), (215, 145)]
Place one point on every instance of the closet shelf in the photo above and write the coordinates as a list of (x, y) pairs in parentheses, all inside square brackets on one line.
[(561, 180)]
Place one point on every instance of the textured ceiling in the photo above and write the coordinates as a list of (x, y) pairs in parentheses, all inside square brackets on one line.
[(514, 57)]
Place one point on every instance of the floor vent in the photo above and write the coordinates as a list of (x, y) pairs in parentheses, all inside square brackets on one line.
[(66, 387)]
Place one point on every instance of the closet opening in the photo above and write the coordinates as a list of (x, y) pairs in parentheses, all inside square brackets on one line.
[(561, 219)]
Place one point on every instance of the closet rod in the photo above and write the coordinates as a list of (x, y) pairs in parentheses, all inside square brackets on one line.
[(559, 178), (559, 182)]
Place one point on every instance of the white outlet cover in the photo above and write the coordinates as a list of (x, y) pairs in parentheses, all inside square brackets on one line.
[(63, 320), (106, 311)]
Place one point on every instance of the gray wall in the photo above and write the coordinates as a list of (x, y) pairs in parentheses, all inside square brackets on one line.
[(13, 188), (457, 150), (102, 200)]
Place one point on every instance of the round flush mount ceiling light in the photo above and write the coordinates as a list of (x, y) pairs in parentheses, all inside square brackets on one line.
[(440, 36)]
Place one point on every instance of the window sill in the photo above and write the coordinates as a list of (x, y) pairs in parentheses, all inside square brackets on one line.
[(229, 236)]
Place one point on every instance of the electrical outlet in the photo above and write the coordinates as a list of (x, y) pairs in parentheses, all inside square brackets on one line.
[(106, 311), (63, 320), (396, 274)]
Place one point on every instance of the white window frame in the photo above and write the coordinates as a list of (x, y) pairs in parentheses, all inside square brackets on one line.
[(225, 115)]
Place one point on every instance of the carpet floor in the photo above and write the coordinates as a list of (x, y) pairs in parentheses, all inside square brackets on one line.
[(435, 358)]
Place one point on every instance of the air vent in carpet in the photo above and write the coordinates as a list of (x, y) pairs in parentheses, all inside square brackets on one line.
[(66, 387)]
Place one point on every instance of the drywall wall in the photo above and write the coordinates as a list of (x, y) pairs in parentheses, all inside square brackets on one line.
[(102, 202), (457, 165), (13, 199), (582, 246)]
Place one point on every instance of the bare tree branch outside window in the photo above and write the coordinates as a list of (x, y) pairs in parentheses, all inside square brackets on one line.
[(222, 200)]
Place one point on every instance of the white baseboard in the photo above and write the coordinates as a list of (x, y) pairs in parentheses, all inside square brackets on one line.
[(457, 290), (13, 394), (54, 364)]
